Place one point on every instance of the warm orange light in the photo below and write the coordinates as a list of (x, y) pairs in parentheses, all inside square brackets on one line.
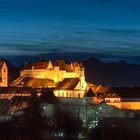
[(126, 105), (38, 94)]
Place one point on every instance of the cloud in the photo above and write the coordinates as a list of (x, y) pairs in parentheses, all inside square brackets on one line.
[(119, 31), (81, 32)]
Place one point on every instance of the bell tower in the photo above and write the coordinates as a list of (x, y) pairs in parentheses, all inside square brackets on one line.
[(82, 79), (4, 74)]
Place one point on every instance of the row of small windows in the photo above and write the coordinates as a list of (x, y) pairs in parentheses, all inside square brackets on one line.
[(67, 94)]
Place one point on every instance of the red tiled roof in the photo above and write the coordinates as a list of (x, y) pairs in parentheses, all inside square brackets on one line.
[(90, 93), (41, 65), (36, 65)]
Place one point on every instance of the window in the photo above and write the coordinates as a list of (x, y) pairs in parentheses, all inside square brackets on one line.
[(58, 94), (67, 94), (62, 94), (79, 95)]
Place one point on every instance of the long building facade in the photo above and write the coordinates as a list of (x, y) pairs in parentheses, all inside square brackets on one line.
[(56, 72)]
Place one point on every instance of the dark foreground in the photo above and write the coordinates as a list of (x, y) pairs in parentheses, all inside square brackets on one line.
[(113, 129)]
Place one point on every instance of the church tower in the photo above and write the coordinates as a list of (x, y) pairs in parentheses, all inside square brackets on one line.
[(82, 79), (4, 75)]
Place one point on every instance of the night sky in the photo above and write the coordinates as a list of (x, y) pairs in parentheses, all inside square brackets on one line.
[(105, 27)]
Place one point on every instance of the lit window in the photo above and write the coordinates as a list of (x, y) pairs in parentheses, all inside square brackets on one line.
[(67, 94), (58, 94), (78, 95)]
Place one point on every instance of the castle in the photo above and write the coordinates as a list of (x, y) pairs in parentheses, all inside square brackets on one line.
[(57, 72), (68, 80)]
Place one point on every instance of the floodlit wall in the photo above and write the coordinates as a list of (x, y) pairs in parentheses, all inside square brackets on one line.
[(69, 93), (126, 105), (55, 74)]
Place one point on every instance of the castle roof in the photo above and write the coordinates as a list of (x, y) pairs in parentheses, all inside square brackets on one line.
[(37, 65), (41, 65), (68, 84), (60, 63), (27, 66)]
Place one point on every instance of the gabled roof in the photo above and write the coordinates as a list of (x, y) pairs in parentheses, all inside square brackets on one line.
[(90, 93), (100, 89), (68, 83)]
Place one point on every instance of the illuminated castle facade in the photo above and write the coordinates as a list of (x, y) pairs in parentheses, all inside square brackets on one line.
[(68, 80), (56, 72)]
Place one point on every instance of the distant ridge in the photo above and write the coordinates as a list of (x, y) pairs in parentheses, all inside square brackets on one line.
[(114, 73)]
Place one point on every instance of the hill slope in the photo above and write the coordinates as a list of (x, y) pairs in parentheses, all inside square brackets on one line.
[(115, 74)]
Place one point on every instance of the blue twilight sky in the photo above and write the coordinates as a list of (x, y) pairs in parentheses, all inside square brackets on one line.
[(33, 27)]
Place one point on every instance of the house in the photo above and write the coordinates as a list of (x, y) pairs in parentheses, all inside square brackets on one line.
[(124, 97), (94, 95), (123, 94), (71, 88)]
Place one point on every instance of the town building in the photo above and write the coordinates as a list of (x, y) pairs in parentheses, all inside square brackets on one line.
[(71, 88), (120, 97), (124, 97)]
